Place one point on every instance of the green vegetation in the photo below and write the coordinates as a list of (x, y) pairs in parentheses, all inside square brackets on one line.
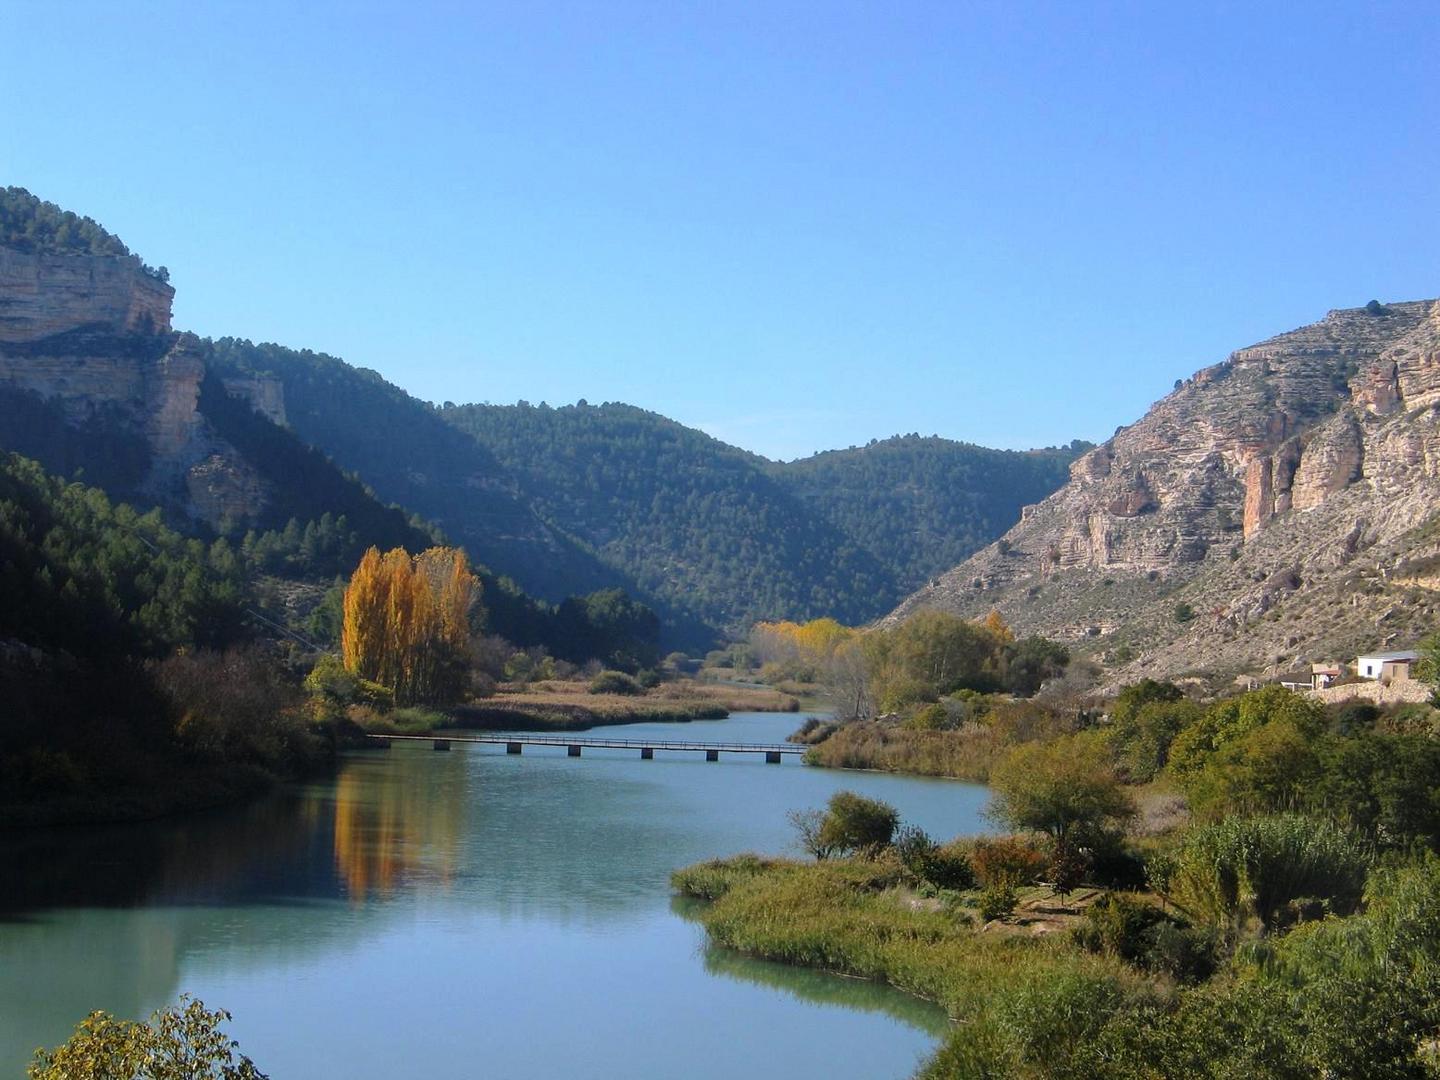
[(731, 537), (931, 659), (435, 470), (923, 505), (128, 683), (850, 824), (181, 1042), (581, 498), (29, 224), (615, 682), (1288, 930), (700, 525)]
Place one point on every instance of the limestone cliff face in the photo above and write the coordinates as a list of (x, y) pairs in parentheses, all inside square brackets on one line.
[(93, 334), (42, 295), (1334, 426)]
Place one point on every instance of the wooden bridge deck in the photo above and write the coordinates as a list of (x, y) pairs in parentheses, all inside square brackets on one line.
[(575, 742)]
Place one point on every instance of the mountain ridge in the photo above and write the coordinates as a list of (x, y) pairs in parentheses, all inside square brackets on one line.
[(1247, 495)]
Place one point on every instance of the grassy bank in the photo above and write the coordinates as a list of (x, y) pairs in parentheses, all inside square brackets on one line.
[(560, 705), (863, 918), (967, 754)]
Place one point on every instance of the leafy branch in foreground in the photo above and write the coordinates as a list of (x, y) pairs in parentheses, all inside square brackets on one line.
[(181, 1042)]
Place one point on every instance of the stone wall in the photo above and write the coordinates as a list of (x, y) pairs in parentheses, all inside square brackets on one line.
[(45, 295), (1407, 691)]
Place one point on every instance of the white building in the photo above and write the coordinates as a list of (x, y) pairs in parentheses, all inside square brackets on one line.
[(1386, 666)]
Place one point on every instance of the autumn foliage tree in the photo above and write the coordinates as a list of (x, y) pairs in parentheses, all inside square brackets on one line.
[(407, 622)]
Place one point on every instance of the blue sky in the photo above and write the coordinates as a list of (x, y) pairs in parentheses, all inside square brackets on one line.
[(798, 226)]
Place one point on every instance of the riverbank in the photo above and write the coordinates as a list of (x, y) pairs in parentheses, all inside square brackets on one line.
[(169, 790), (967, 754), (866, 918), (560, 705)]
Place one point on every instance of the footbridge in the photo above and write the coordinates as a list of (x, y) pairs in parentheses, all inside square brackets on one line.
[(575, 743)]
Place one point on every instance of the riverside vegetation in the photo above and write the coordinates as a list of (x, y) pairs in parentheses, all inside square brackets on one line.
[(1286, 925)]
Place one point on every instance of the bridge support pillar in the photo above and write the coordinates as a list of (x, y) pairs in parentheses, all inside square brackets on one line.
[(712, 755), (374, 743), (573, 750), (647, 753), (772, 757), (512, 748), (442, 744)]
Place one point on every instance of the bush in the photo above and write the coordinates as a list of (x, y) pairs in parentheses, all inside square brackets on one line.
[(854, 823), (1256, 868), (943, 867), (1006, 860), (949, 866), (929, 718), (1141, 934), (615, 682), (997, 901), (179, 1041)]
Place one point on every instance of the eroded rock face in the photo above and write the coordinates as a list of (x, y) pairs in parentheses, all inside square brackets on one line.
[(93, 333), (1342, 415), (45, 295)]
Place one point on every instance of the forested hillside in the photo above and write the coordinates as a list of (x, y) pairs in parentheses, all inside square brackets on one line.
[(402, 449), (923, 504), (92, 594), (695, 522)]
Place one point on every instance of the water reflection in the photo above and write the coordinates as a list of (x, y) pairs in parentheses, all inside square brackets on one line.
[(817, 987), (394, 827), (531, 884)]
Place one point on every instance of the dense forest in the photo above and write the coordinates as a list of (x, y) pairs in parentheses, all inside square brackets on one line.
[(105, 614), (922, 505), (736, 538), (409, 456), (692, 520)]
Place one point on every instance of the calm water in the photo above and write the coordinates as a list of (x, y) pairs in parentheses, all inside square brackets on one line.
[(461, 915)]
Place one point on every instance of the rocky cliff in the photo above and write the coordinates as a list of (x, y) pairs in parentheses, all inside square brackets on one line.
[(43, 295), (92, 335), (1254, 518)]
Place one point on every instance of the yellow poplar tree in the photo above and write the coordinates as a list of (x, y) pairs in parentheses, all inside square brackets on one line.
[(407, 622)]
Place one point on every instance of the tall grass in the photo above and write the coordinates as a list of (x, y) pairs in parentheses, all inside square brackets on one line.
[(1252, 870), (967, 753), (847, 916)]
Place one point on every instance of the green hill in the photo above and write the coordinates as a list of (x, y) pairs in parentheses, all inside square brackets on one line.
[(732, 537), (408, 455), (922, 505)]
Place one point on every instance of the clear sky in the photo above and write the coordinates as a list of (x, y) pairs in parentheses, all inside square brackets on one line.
[(798, 226)]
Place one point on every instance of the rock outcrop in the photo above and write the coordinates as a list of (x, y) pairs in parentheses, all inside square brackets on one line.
[(92, 333), (1316, 453), (42, 295)]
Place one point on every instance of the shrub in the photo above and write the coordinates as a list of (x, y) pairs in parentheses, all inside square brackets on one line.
[(997, 901), (1256, 868), (855, 823), (615, 682), (1006, 860), (179, 1041), (949, 866), (931, 717), (943, 867)]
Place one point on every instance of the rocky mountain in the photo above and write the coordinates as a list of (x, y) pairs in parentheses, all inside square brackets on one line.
[(1277, 508), (94, 380)]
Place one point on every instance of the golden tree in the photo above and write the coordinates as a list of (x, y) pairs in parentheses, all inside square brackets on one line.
[(407, 622)]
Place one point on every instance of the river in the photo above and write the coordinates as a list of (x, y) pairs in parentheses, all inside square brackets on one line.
[(461, 914)]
